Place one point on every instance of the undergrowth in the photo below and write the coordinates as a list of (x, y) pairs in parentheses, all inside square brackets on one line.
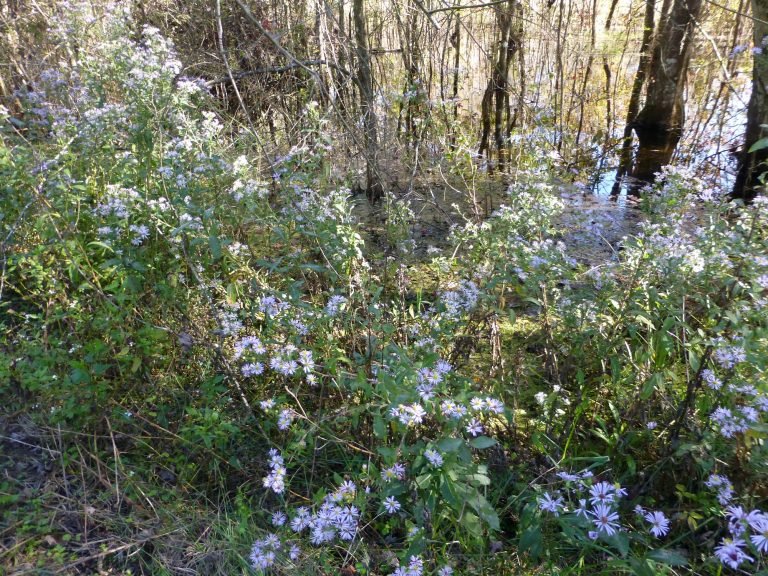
[(205, 370)]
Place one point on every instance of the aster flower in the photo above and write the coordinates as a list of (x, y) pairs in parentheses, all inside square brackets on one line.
[(730, 552), (659, 523), (582, 509), (264, 552), (302, 519), (494, 406), (711, 379), (294, 552), (278, 518), (394, 472), (549, 504), (391, 505), (568, 477), (474, 428), (601, 493), (605, 519), (252, 369), (453, 410), (249, 343), (477, 404), (275, 480), (285, 419), (334, 305), (760, 537), (433, 457), (410, 415), (443, 367), (755, 519), (267, 404)]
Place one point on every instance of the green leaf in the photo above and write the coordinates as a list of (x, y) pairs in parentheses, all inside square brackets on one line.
[(642, 567), (450, 444), (482, 442), (215, 244), (759, 145), (650, 385), (531, 542), (668, 556), (644, 320), (102, 245), (386, 452), (423, 481), (379, 427), (449, 495), (620, 542), (485, 511), (759, 427)]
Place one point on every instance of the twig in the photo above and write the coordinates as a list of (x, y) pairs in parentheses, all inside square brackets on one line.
[(115, 550), (274, 70), (470, 7)]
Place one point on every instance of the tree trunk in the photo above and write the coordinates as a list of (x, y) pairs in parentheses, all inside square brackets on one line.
[(625, 156), (659, 125), (456, 43), (495, 102), (374, 190), (588, 72), (607, 71), (752, 164)]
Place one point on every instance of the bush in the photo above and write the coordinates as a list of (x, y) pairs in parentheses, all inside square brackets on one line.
[(214, 324)]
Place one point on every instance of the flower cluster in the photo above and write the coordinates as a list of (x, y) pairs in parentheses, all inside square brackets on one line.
[(335, 517), (723, 486), (729, 356), (410, 415), (394, 472), (249, 344), (275, 481), (285, 419), (266, 552), (429, 378), (596, 504), (747, 529), (415, 567), (334, 305), (461, 300)]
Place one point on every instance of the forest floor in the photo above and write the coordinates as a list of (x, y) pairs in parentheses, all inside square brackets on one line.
[(593, 224)]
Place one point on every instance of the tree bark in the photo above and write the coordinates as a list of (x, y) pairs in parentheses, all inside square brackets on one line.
[(752, 164), (495, 103), (374, 189), (659, 125), (625, 156)]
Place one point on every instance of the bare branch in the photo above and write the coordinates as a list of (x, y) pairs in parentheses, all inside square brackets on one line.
[(470, 7), (273, 70)]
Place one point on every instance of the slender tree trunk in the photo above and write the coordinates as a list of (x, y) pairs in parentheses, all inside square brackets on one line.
[(625, 156), (500, 89), (659, 125), (752, 164), (607, 71), (560, 77), (456, 43), (374, 190), (588, 71), (495, 98)]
